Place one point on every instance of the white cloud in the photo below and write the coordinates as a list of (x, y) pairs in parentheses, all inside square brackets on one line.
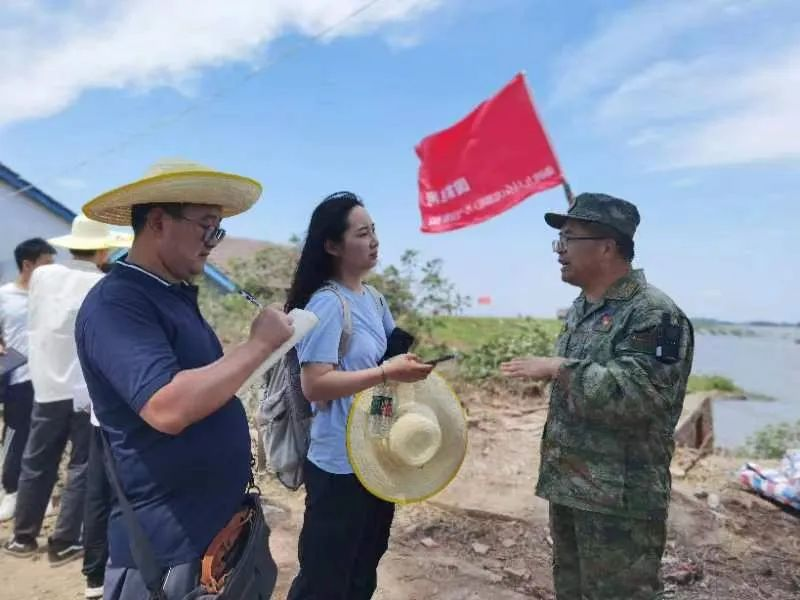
[(667, 78), (629, 37), (50, 57)]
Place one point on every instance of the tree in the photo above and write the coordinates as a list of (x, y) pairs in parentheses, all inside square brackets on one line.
[(419, 295)]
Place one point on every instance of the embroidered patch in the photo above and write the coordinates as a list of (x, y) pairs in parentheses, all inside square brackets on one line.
[(604, 323)]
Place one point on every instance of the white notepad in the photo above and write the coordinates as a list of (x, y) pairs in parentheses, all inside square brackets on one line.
[(304, 321)]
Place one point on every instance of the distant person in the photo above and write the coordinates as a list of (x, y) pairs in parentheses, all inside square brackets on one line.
[(345, 528), (163, 392), (56, 294), (18, 392), (618, 383), (97, 509)]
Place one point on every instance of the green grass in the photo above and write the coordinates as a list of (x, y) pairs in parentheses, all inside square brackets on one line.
[(467, 333), (712, 383)]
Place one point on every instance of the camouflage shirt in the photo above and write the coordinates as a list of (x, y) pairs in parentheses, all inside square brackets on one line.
[(614, 405)]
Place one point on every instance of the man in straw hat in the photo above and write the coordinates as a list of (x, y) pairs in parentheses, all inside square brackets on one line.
[(160, 385), (56, 293), (624, 357)]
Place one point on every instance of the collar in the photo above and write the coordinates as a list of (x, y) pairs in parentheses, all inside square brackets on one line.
[(122, 262), (625, 287), (124, 267), (622, 289), (81, 265)]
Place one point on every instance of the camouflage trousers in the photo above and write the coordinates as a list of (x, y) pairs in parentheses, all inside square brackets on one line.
[(602, 557)]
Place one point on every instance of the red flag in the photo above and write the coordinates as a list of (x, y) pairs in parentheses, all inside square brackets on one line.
[(485, 164)]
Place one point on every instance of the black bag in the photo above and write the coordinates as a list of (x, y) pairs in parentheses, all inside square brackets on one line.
[(399, 342), (251, 578)]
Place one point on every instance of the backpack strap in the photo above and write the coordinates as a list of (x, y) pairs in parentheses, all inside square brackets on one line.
[(140, 547), (347, 320), (380, 303)]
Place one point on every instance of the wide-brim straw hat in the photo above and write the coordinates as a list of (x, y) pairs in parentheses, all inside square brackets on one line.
[(87, 234), (180, 182), (421, 450)]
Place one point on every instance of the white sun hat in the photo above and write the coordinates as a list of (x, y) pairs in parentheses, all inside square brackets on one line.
[(87, 234), (421, 450)]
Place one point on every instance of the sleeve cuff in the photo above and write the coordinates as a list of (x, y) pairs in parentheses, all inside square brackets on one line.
[(148, 391)]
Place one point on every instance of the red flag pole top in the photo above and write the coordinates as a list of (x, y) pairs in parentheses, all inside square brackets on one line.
[(487, 163)]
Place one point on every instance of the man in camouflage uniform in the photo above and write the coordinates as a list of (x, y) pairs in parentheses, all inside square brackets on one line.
[(619, 379)]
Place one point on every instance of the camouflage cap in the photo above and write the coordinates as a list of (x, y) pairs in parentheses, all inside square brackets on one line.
[(599, 208)]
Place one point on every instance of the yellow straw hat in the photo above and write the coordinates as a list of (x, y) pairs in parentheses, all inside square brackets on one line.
[(417, 451), (87, 234), (176, 181)]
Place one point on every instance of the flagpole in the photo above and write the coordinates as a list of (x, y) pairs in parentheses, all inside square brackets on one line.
[(567, 189), (568, 193)]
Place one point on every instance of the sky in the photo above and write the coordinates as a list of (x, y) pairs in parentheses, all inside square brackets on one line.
[(688, 108)]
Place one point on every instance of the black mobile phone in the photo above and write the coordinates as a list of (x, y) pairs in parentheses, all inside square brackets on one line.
[(440, 359)]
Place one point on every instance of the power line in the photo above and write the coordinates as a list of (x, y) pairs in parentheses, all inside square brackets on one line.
[(209, 99)]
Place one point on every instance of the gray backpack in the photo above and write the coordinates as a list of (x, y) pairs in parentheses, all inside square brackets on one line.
[(284, 415)]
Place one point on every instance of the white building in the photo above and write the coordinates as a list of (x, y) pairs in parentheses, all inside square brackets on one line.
[(26, 212)]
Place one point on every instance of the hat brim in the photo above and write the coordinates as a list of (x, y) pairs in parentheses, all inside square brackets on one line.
[(391, 480), (557, 220), (234, 193), (72, 242)]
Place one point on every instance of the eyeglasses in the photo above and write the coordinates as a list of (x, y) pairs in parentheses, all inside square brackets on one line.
[(560, 245), (212, 234)]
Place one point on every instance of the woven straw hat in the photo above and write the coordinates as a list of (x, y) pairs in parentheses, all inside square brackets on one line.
[(176, 181), (87, 234), (421, 449)]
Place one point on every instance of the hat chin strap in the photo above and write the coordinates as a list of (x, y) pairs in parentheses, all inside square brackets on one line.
[(415, 437)]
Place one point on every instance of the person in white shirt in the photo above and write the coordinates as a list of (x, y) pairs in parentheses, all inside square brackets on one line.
[(18, 389), (56, 294)]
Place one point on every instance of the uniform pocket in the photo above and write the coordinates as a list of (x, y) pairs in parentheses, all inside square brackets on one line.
[(591, 464)]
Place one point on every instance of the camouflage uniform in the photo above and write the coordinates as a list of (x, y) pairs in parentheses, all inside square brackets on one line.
[(608, 441)]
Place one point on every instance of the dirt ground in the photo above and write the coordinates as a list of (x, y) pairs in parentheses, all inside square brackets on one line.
[(486, 536)]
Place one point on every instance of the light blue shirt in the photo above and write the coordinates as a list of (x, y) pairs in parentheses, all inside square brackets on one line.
[(371, 326)]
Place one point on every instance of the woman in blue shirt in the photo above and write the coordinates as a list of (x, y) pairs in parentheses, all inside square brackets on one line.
[(345, 528)]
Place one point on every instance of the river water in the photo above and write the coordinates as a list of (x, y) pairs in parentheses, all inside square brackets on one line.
[(766, 363)]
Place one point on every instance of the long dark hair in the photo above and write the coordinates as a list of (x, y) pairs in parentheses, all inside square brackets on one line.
[(316, 266)]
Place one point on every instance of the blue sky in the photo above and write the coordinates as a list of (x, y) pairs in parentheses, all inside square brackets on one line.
[(686, 107)]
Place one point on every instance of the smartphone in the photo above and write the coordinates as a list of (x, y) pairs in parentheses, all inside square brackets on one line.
[(440, 359)]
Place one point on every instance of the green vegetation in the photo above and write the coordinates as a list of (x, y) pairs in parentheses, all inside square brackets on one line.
[(712, 383), (529, 338), (772, 441), (469, 333)]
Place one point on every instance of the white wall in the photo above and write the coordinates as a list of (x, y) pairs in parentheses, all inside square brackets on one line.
[(21, 219)]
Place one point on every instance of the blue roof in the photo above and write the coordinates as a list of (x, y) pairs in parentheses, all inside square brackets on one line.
[(31, 192)]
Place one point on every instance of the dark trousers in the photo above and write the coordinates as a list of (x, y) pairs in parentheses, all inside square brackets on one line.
[(603, 557), (128, 584), (52, 425), (97, 509), (345, 534), (16, 426)]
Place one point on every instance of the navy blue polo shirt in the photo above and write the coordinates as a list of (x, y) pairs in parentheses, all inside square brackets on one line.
[(134, 333)]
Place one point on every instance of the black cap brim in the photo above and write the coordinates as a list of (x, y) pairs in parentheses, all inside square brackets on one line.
[(557, 221)]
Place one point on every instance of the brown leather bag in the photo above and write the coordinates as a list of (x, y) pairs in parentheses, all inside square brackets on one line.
[(222, 553)]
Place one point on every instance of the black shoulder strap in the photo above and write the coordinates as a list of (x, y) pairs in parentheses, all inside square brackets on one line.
[(141, 550)]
